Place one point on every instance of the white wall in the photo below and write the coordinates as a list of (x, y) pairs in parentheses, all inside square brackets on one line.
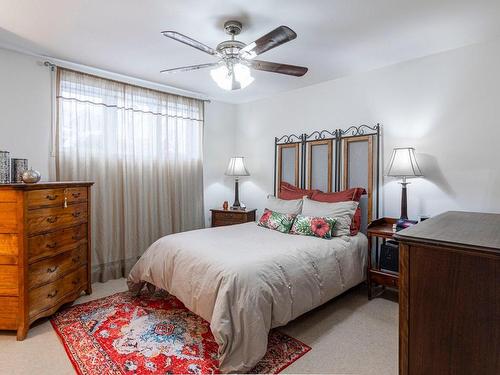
[(219, 137), (447, 106), (25, 128)]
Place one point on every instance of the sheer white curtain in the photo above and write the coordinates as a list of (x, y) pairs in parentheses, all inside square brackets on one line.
[(143, 149)]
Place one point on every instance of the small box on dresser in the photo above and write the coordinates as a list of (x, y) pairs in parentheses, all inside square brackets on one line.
[(44, 250)]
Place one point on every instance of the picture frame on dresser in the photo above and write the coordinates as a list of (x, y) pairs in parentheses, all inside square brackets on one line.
[(45, 244)]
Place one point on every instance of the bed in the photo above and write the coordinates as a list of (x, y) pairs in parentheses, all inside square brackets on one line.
[(245, 280)]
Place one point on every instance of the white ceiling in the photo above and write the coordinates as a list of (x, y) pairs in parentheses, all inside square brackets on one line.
[(335, 37)]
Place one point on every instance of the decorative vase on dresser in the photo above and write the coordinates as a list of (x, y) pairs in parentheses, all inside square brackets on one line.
[(44, 250)]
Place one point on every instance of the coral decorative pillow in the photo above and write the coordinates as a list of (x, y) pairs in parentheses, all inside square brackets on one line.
[(289, 191), (343, 212), (313, 226), (276, 221), (353, 194)]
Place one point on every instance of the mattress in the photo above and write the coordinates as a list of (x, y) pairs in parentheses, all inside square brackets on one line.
[(245, 280)]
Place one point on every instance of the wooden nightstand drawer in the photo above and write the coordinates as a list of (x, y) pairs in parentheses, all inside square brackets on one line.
[(229, 216), (219, 222), (223, 218)]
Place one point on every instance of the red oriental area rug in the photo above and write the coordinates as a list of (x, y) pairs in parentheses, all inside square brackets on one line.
[(152, 334)]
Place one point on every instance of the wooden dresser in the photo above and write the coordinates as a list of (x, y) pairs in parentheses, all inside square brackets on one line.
[(449, 295), (230, 217), (44, 250)]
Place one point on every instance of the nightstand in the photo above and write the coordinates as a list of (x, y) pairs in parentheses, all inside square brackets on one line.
[(380, 228), (230, 217)]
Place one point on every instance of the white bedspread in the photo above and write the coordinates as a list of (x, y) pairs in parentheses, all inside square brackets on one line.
[(246, 279)]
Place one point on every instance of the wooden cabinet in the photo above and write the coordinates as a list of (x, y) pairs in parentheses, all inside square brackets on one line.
[(230, 217), (44, 250), (449, 295)]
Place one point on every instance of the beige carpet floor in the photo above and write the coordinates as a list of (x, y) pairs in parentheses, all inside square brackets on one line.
[(348, 335)]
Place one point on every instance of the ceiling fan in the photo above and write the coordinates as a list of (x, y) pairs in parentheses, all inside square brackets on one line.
[(232, 71)]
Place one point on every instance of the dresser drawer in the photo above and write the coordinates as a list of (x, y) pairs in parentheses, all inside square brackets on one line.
[(50, 244), (76, 194), (8, 280), (55, 197), (8, 312), (56, 217), (49, 270), (9, 248), (45, 197), (47, 296)]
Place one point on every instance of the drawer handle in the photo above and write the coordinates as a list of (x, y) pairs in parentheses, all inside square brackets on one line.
[(52, 245), (76, 259), (76, 214), (76, 195), (52, 269), (76, 282), (51, 197), (52, 294), (52, 219)]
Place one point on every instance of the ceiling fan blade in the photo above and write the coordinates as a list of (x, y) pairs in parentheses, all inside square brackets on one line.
[(291, 70), (278, 36), (190, 42), (188, 68)]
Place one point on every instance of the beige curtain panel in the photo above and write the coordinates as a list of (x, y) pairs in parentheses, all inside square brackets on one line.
[(143, 150)]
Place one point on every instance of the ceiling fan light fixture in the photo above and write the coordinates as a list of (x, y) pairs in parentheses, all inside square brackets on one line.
[(236, 77), (221, 75), (242, 75), (232, 71)]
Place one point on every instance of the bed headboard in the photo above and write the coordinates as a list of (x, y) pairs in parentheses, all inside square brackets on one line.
[(333, 160)]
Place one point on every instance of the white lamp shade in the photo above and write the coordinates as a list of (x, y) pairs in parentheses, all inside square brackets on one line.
[(232, 77), (236, 167), (403, 163)]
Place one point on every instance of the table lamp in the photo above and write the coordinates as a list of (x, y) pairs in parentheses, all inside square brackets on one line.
[(403, 164), (236, 168)]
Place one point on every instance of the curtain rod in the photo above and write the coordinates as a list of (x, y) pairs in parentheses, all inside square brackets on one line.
[(53, 66)]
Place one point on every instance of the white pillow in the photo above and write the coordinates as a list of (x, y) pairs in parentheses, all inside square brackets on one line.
[(284, 206), (341, 211)]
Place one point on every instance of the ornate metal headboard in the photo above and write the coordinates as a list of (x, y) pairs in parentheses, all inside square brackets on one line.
[(332, 160)]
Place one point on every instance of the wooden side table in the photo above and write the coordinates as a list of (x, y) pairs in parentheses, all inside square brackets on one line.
[(380, 228), (229, 217)]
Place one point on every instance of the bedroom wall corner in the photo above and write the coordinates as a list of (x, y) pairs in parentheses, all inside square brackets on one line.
[(218, 147)]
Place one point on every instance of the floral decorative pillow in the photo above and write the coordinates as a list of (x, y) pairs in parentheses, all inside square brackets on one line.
[(276, 221), (313, 226)]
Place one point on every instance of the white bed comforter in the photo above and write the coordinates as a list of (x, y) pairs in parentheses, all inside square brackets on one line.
[(246, 279)]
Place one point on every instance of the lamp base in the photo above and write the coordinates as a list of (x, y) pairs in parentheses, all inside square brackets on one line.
[(236, 205)]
